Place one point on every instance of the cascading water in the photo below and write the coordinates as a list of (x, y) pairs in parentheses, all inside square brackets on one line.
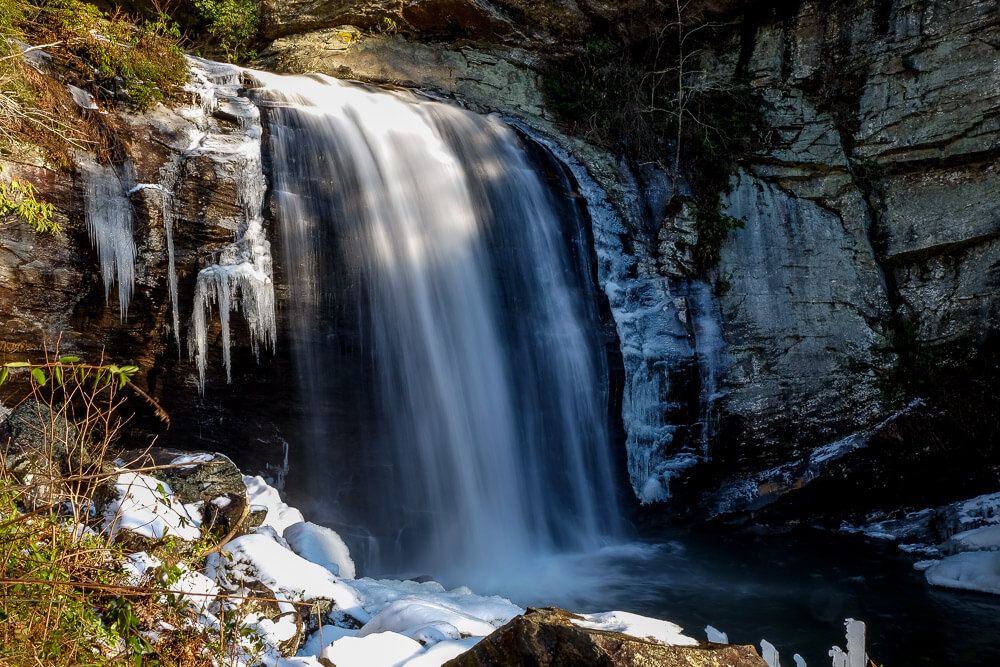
[(473, 317)]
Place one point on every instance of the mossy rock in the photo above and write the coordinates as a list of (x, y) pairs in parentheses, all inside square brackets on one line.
[(549, 638), (210, 478)]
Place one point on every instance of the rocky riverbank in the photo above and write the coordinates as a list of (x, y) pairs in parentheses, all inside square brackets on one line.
[(222, 553)]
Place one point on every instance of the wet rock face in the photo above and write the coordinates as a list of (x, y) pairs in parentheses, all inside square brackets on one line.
[(871, 218), (549, 638)]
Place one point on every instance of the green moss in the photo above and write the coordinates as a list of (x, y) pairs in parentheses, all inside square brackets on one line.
[(713, 228), (113, 57)]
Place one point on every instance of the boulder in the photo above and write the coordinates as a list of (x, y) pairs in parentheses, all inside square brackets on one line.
[(37, 445), (208, 478), (552, 637)]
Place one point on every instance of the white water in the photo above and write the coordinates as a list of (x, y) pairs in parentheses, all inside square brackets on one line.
[(110, 226), (474, 316)]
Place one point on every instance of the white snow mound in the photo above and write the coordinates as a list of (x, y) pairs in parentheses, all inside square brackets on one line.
[(637, 626), (322, 546), (427, 622), (265, 497), (971, 571), (147, 507), (386, 649)]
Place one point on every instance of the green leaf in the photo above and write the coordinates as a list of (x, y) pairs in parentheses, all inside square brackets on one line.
[(69, 360), (3, 375), (122, 380), (17, 364), (39, 376), (58, 373)]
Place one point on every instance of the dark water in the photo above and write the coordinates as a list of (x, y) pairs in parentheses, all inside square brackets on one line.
[(794, 589)]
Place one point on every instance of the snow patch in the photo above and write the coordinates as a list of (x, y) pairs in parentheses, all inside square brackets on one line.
[(258, 558), (971, 571), (322, 546), (386, 649), (637, 626), (146, 507)]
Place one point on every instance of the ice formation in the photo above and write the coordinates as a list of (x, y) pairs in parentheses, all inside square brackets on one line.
[(855, 655), (241, 278), (168, 184), (716, 636), (110, 225), (769, 653)]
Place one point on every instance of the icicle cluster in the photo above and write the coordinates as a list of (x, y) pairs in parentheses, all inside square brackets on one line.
[(207, 79), (241, 279), (110, 225), (170, 177)]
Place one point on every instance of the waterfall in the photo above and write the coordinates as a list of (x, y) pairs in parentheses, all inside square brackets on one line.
[(420, 243)]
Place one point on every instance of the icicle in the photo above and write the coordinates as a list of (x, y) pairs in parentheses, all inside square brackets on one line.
[(241, 278), (799, 660), (227, 287), (167, 187), (110, 225)]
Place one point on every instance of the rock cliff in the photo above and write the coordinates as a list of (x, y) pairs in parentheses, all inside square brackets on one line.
[(866, 266)]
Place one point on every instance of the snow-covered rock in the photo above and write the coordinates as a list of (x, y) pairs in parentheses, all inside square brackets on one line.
[(637, 626), (986, 538), (257, 558), (959, 530), (972, 571), (322, 546), (146, 507), (263, 497)]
